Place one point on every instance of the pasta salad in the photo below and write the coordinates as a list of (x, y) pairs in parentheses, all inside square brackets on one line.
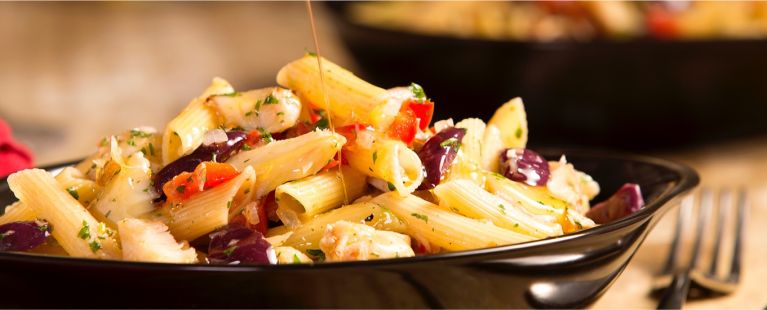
[(323, 167)]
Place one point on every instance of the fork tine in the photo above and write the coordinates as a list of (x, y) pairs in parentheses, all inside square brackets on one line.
[(683, 215), (706, 203), (739, 228), (724, 209)]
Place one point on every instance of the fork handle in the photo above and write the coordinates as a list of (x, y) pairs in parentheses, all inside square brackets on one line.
[(676, 293)]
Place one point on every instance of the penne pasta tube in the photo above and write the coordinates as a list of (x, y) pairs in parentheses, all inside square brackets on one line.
[(467, 198), (492, 146), (76, 230), (471, 145), (184, 133), (511, 120), (287, 160), (389, 160), (321, 192), (17, 212), (350, 99), (446, 229), (150, 241), (207, 211), (69, 179), (307, 236), (535, 200)]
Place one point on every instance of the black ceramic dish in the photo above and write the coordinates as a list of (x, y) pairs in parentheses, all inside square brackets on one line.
[(567, 271), (634, 94)]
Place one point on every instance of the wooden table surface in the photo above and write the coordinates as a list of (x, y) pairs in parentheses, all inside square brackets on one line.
[(740, 163)]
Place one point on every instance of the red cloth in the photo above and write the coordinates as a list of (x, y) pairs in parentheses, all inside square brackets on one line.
[(13, 155)]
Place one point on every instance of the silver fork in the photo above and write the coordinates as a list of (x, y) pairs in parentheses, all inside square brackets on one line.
[(708, 279)]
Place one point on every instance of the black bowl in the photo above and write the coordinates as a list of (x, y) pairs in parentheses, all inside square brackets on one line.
[(630, 94), (566, 271)]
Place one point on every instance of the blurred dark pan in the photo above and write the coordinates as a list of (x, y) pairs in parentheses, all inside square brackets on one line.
[(566, 271), (635, 94)]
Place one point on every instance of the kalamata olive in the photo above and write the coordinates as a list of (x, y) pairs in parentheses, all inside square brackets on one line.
[(628, 199), (524, 166), (23, 236), (213, 152), (438, 154), (237, 244)]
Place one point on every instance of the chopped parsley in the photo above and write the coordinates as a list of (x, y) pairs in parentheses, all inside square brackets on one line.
[(580, 226), (181, 188), (280, 113), (420, 217), (246, 147), (43, 226), (518, 132), (296, 260), (265, 134), (317, 254), (85, 232), (391, 186), (72, 191), (452, 142), (310, 53), (418, 92), (229, 204), (139, 133), (271, 100), (94, 245), (230, 250), (232, 94), (249, 113), (503, 208), (375, 156)]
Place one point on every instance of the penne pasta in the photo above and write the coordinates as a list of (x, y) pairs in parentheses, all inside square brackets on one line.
[(321, 192), (444, 228), (389, 160), (492, 146), (535, 200), (208, 210), (17, 212), (511, 121), (272, 109), (467, 198), (350, 99), (76, 230), (471, 145), (287, 160), (184, 133), (307, 236), (149, 241)]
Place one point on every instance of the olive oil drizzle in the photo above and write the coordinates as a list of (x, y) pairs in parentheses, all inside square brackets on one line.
[(325, 94)]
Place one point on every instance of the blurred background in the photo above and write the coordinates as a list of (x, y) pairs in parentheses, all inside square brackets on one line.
[(682, 80)]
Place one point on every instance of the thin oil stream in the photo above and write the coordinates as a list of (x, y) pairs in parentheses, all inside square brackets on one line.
[(325, 94)]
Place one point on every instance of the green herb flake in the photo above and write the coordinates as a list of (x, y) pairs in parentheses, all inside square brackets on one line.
[(271, 100), (420, 217), (139, 133), (85, 232), (580, 226), (322, 123), (181, 188), (317, 254), (94, 245), (232, 94), (246, 147), (280, 113), (375, 156), (310, 53), (249, 113), (296, 260), (131, 142), (391, 186), (503, 208), (72, 191), (230, 250), (229, 204), (108, 213), (418, 92), (265, 134), (518, 132), (151, 149), (452, 142)]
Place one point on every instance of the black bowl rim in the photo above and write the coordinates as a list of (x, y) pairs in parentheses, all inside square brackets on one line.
[(688, 179)]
